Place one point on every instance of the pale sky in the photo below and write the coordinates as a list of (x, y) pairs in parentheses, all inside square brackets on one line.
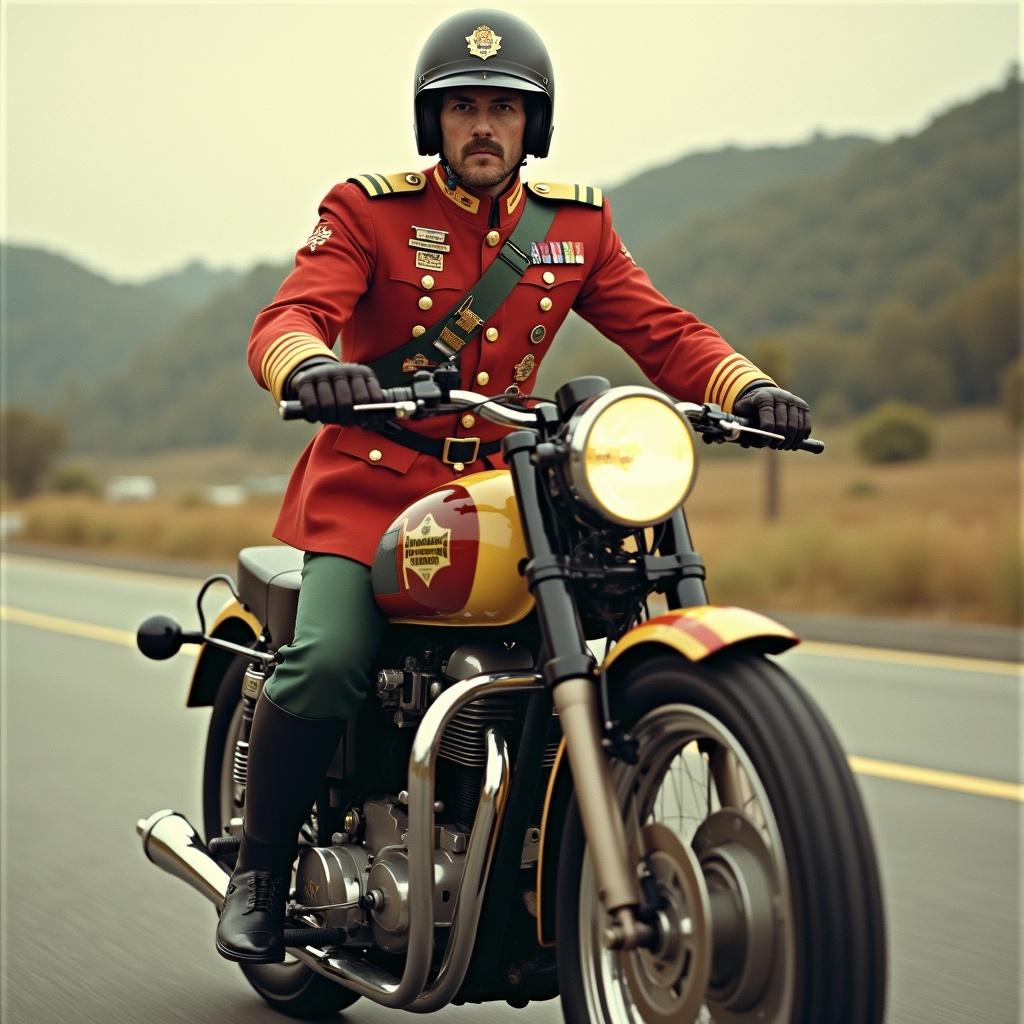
[(138, 136)]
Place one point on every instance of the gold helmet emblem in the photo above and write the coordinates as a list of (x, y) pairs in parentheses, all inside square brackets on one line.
[(483, 43)]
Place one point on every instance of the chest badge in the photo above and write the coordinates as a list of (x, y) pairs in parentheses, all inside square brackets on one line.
[(429, 261), (525, 368), (483, 43), (556, 252)]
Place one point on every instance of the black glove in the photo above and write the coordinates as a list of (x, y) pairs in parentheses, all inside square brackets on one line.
[(781, 412), (328, 390)]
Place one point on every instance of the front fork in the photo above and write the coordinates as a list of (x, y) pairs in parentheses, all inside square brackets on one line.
[(571, 672)]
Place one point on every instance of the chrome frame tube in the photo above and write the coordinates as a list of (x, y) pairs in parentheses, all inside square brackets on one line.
[(412, 992)]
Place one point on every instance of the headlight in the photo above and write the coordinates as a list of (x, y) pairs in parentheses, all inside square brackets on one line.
[(631, 457)]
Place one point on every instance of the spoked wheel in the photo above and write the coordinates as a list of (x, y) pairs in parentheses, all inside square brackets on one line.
[(746, 825), (291, 987)]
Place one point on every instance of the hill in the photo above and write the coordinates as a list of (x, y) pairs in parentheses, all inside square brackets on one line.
[(654, 203), (894, 276), (194, 284), (65, 328)]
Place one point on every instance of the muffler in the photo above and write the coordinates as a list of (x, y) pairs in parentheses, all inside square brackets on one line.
[(171, 843)]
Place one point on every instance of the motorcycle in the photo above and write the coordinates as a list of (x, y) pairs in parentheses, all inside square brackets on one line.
[(667, 831)]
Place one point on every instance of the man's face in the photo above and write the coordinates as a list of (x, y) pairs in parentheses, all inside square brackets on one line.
[(482, 131)]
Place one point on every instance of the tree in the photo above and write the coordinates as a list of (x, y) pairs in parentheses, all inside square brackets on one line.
[(30, 445)]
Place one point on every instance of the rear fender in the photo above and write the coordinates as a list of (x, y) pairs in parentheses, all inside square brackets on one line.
[(236, 623), (695, 634)]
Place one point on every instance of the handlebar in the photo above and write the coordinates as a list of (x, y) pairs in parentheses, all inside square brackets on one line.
[(425, 400)]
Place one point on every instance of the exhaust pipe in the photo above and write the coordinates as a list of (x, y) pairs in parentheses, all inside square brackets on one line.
[(171, 843)]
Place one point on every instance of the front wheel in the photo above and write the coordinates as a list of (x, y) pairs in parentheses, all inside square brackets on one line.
[(291, 987), (746, 821)]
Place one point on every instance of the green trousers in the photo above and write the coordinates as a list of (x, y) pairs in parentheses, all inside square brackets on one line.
[(338, 631)]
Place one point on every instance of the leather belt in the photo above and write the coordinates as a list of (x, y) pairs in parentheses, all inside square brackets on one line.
[(449, 450)]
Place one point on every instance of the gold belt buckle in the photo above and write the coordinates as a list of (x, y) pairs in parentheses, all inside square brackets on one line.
[(449, 441)]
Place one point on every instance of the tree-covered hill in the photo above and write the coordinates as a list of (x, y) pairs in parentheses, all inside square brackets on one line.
[(66, 327), (894, 276), (656, 202), (894, 273), (194, 283)]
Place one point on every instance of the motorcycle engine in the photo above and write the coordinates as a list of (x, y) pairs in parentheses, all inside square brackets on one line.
[(372, 857)]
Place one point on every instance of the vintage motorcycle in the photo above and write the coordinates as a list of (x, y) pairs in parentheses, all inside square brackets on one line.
[(666, 833)]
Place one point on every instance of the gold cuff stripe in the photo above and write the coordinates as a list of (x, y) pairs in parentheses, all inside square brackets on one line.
[(719, 370), (740, 383), (285, 354), (726, 381)]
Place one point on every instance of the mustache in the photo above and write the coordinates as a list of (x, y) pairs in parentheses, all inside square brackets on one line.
[(483, 146)]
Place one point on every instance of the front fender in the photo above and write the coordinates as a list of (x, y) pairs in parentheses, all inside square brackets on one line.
[(694, 633), (697, 633), (236, 623)]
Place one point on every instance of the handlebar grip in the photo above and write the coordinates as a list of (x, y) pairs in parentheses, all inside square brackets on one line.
[(290, 409), (812, 445)]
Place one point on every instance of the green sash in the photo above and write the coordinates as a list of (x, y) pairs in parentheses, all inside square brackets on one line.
[(450, 335)]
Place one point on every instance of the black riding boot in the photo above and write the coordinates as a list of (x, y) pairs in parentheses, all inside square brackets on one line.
[(288, 756)]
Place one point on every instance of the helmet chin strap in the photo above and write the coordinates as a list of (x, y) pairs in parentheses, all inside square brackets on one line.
[(451, 179)]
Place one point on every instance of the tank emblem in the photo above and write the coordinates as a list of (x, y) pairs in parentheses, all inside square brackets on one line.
[(310, 891), (426, 549), (483, 43)]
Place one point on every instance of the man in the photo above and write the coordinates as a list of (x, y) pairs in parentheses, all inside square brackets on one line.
[(395, 266)]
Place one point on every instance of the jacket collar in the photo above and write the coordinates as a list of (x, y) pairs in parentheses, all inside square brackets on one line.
[(476, 206)]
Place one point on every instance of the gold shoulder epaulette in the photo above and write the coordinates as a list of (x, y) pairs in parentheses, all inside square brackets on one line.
[(589, 195), (375, 185)]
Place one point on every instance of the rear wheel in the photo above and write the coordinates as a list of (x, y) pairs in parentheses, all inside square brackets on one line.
[(749, 824), (291, 987)]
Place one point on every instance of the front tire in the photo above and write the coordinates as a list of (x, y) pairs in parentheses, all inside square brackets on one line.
[(758, 846), (291, 987)]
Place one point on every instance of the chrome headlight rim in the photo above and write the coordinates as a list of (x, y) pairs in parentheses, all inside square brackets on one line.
[(580, 428)]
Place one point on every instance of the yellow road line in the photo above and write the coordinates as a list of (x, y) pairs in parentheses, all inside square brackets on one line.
[(69, 627), (936, 779), (890, 770), (919, 659)]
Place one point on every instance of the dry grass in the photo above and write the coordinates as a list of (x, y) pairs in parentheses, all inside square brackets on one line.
[(937, 539)]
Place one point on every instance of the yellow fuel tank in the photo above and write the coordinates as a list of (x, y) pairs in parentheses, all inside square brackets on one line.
[(452, 558)]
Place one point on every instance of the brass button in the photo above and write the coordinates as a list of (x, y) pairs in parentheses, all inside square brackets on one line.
[(458, 466), (413, 179), (541, 187), (546, 303), (376, 455), (468, 420), (493, 238), (418, 330), (483, 378), (547, 277), (491, 334), (427, 281), (426, 302)]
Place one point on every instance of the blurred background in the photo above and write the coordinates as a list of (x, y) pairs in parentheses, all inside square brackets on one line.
[(834, 186)]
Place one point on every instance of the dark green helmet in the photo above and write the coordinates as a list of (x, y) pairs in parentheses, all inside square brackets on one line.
[(485, 47)]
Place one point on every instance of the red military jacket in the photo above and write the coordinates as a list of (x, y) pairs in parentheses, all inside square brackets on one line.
[(358, 276)]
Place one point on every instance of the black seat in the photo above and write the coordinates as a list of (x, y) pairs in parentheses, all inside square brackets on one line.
[(268, 583)]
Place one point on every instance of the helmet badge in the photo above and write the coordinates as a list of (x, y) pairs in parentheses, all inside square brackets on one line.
[(484, 43)]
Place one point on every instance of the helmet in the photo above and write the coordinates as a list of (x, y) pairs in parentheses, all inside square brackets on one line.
[(484, 47)]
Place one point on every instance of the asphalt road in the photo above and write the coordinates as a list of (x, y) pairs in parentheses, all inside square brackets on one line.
[(94, 737)]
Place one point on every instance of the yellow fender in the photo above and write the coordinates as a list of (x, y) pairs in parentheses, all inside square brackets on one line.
[(234, 622), (696, 634)]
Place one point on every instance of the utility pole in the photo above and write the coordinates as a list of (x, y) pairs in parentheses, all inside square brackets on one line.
[(772, 357)]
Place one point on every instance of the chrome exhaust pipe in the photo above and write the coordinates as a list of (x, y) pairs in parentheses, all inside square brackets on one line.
[(171, 843)]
